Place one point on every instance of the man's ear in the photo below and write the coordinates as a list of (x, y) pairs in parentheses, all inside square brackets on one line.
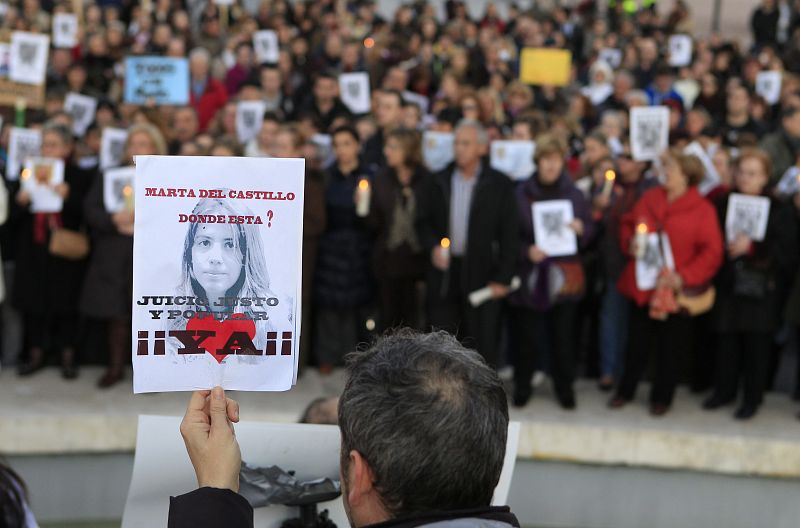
[(360, 480)]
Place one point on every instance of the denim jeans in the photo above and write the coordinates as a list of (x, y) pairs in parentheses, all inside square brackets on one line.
[(613, 331)]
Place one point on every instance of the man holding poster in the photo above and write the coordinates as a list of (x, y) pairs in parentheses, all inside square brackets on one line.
[(216, 273)]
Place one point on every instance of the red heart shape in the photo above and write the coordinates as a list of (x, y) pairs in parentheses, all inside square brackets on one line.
[(222, 331)]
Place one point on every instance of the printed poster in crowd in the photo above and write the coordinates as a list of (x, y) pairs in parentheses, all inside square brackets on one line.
[(711, 179), (112, 147), (747, 215), (249, 116), (768, 86), (545, 66), (65, 30), (611, 56), (82, 109), (680, 50), (554, 236), (789, 184), (265, 45), (40, 178), (649, 132), (649, 263), (354, 91), (28, 60), (513, 158), (437, 149), (118, 189), (162, 80), (23, 143), (216, 285)]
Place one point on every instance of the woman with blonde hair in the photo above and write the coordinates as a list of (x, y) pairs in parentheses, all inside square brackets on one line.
[(107, 290)]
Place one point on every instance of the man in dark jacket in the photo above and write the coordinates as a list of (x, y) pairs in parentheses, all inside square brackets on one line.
[(388, 113), (476, 211), (324, 103), (783, 145), (419, 460)]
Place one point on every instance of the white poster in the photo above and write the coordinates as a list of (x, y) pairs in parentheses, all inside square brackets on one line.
[(40, 178), (513, 158), (747, 215), (437, 150), (23, 143), (249, 116), (82, 109), (711, 179), (65, 30), (611, 56), (354, 92), (265, 44), (118, 189), (28, 61), (650, 264), (680, 50), (789, 185), (216, 285), (649, 132), (551, 219), (112, 147), (768, 86)]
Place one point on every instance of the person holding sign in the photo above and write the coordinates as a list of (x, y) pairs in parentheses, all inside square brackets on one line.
[(749, 292), (47, 284), (107, 291), (683, 261), (474, 209), (540, 307)]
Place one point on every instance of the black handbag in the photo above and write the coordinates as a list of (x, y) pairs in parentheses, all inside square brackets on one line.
[(749, 283)]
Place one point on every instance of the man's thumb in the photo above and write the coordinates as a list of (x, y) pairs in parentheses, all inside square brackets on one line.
[(217, 410)]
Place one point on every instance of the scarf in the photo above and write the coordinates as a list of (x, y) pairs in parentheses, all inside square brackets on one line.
[(403, 229)]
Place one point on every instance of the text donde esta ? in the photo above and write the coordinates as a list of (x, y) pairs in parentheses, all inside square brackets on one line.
[(235, 194)]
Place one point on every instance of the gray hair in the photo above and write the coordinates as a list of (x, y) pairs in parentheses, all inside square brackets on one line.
[(200, 53), (483, 136), (430, 417)]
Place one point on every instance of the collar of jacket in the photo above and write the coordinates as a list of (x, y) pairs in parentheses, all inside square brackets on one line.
[(534, 189), (492, 517)]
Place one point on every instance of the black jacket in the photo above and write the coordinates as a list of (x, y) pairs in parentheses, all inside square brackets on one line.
[(218, 508), (492, 234)]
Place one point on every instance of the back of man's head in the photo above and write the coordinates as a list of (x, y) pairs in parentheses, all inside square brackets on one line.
[(430, 418)]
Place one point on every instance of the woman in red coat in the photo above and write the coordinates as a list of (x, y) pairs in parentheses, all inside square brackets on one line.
[(690, 222)]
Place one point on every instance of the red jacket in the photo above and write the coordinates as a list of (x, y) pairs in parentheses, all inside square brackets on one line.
[(694, 233), (210, 102)]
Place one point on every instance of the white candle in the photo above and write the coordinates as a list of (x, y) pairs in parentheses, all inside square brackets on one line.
[(363, 195), (641, 240), (127, 194), (445, 245), (608, 186)]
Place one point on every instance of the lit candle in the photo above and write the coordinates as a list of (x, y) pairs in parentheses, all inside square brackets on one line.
[(608, 186), (641, 240), (363, 194), (26, 173), (127, 194), (445, 245)]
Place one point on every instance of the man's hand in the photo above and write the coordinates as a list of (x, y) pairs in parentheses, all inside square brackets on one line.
[(536, 255), (439, 259), (740, 246), (210, 439), (577, 226), (671, 280), (499, 290)]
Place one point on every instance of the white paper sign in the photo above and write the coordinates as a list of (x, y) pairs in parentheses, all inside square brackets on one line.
[(611, 56), (711, 179), (265, 45), (790, 183), (65, 30), (249, 116), (768, 86), (118, 189), (680, 50), (513, 158), (354, 92), (112, 147), (28, 61), (649, 132), (40, 177), (649, 266), (747, 215), (82, 109), (551, 219), (437, 149), (227, 233), (23, 143)]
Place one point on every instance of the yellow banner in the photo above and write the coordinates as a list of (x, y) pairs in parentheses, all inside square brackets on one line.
[(545, 66)]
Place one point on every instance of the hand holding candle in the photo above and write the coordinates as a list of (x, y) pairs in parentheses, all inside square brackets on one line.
[(608, 186), (363, 196), (444, 253), (640, 242), (127, 194)]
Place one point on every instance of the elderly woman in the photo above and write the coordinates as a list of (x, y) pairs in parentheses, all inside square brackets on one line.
[(749, 285), (671, 219)]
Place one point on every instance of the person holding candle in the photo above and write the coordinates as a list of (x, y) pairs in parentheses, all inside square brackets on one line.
[(106, 295), (401, 195), (675, 209), (343, 285), (46, 286), (474, 209), (540, 315), (749, 293)]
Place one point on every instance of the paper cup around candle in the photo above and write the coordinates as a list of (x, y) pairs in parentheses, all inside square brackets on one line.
[(445, 245), (608, 186), (641, 240), (363, 195)]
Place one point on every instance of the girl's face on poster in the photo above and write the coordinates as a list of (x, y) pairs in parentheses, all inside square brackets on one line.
[(216, 260), (53, 146), (751, 178)]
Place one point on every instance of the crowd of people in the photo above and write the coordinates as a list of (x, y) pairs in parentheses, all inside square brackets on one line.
[(716, 318)]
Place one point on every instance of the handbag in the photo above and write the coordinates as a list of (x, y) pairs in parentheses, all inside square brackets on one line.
[(748, 283), (69, 244), (696, 301)]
